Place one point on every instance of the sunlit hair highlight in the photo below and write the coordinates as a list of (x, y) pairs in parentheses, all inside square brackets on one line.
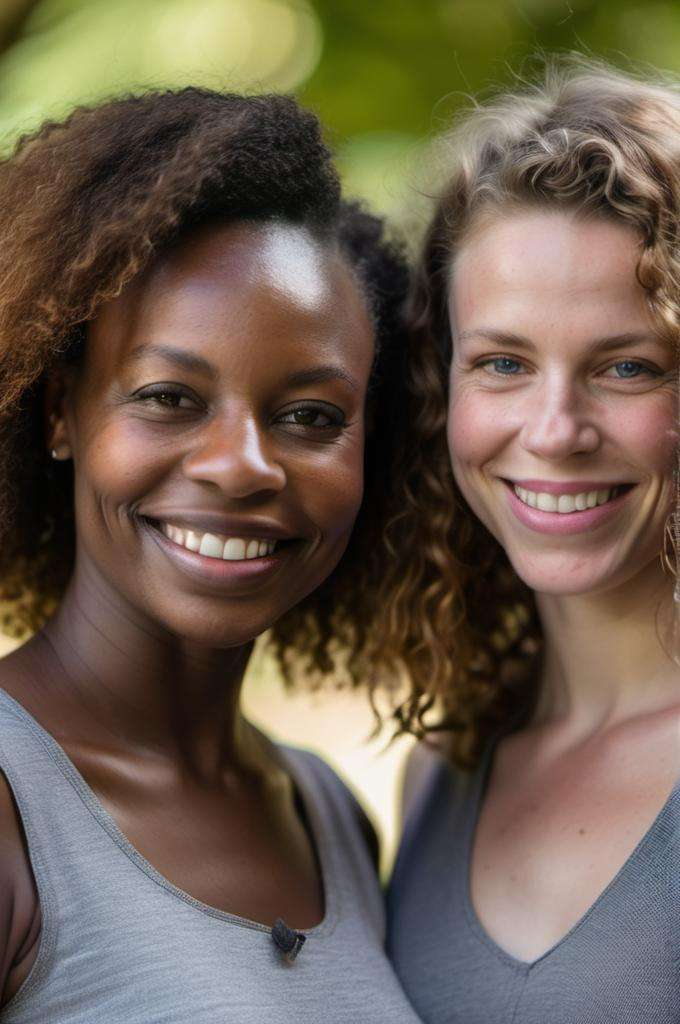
[(583, 138)]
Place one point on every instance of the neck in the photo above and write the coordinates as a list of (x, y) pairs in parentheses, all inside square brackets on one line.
[(608, 656), (140, 686)]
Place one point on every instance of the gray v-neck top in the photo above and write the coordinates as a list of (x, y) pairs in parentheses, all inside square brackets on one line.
[(121, 945), (620, 963)]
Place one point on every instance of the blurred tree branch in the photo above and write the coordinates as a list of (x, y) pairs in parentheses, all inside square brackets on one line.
[(13, 17)]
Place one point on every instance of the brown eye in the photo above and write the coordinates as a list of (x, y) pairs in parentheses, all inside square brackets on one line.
[(309, 417), (170, 398), (166, 397), (314, 417)]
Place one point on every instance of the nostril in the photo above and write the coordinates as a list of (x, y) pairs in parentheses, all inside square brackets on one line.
[(238, 470)]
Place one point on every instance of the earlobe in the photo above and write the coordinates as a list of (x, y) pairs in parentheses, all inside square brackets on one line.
[(57, 439), (61, 453)]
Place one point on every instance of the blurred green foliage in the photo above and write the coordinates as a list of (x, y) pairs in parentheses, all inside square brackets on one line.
[(386, 76)]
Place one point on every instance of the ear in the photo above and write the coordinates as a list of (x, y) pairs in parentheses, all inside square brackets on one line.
[(57, 439)]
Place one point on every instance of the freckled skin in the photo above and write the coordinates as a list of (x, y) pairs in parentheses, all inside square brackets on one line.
[(138, 675), (562, 283), (571, 793)]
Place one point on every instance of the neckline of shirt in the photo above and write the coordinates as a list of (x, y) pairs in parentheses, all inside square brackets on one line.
[(296, 767), (480, 782)]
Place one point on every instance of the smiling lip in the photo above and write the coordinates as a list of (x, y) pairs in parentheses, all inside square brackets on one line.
[(219, 573), (558, 522), (219, 523)]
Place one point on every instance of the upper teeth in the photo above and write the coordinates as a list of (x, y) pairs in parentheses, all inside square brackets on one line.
[(213, 545), (563, 502)]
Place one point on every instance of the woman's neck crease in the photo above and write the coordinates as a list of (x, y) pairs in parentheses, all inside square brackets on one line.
[(146, 689)]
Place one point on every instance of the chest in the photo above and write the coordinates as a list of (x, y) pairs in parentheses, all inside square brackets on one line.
[(246, 850), (616, 961), (549, 842)]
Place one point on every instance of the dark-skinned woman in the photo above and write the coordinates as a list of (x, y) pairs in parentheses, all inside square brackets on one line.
[(190, 323)]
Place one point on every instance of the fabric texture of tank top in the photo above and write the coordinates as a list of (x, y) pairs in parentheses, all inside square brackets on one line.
[(120, 944), (619, 963)]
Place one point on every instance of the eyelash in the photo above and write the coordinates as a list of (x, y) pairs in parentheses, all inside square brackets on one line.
[(499, 359), (634, 362), (650, 371), (156, 393), (334, 415)]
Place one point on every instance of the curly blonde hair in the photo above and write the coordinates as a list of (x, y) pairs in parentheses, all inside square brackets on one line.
[(586, 138)]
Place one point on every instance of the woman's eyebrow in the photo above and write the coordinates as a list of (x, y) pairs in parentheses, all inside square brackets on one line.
[(624, 340), (614, 341), (496, 336), (190, 361), (179, 356), (319, 375)]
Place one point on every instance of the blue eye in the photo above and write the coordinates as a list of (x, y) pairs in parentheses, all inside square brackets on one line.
[(505, 365), (629, 368)]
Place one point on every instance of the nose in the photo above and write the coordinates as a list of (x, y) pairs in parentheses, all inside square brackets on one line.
[(234, 456), (560, 423)]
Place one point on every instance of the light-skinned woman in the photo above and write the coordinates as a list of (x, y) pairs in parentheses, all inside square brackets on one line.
[(539, 876)]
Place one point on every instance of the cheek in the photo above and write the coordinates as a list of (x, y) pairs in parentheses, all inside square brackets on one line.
[(115, 466), (333, 491), (473, 430), (650, 433)]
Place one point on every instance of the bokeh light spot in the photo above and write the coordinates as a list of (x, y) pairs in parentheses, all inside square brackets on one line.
[(80, 51)]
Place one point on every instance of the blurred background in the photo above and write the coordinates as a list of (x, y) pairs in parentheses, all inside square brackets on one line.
[(386, 77)]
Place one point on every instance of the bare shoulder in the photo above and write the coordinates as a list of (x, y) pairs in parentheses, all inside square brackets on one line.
[(19, 905)]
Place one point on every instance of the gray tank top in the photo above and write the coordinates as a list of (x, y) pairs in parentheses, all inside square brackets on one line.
[(121, 945), (620, 963)]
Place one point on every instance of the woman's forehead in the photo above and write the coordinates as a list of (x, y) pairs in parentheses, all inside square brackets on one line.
[(549, 271), (290, 256), (215, 283), (551, 247)]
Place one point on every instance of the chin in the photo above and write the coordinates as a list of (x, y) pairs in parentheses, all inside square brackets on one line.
[(220, 631), (571, 576), (576, 587)]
